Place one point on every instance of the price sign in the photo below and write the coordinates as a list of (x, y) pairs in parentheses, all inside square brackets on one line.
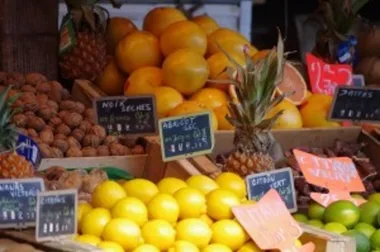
[(56, 214), (270, 225), (124, 115), (339, 175), (18, 200), (281, 180), (28, 148), (324, 78), (186, 136)]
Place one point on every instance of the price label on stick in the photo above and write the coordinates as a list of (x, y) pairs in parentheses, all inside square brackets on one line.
[(186, 136), (338, 175), (324, 78), (270, 225), (56, 215)]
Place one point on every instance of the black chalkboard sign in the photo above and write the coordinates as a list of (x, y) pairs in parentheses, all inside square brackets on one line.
[(281, 180), (186, 136), (18, 200), (56, 214), (356, 104), (124, 115)]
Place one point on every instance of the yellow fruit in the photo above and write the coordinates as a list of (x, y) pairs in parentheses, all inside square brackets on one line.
[(111, 82), (247, 202), (250, 247), (195, 231), (216, 247), (143, 81), (158, 19), (298, 243), (192, 203), (210, 98), (170, 185), (163, 206), (83, 208), (141, 188), (132, 209), (146, 248), (220, 203), (232, 182), (223, 123), (117, 28), (290, 118), (107, 194), (167, 98), (89, 239), (186, 71), (94, 221), (124, 232), (206, 219), (202, 182), (108, 246), (207, 23), (229, 233), (183, 246), (159, 233)]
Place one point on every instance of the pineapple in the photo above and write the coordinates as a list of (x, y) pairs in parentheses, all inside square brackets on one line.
[(11, 164), (254, 87)]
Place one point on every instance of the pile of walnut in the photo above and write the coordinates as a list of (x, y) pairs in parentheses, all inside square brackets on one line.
[(62, 127)]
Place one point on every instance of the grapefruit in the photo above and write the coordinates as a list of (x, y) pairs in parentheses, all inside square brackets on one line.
[(117, 28), (365, 228), (111, 82), (362, 242), (143, 81), (207, 23), (158, 19), (342, 211), (211, 98), (369, 212), (167, 98), (290, 117), (221, 113)]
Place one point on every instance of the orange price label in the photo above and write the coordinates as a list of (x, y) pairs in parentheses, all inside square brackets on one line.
[(338, 175), (270, 225)]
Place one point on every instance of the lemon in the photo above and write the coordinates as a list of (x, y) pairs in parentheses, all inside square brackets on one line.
[(298, 243), (94, 221), (232, 182), (229, 233), (124, 232), (146, 248), (83, 208), (206, 219), (247, 202), (89, 239), (195, 231), (141, 188), (202, 183), (108, 246), (170, 185), (220, 203), (250, 247), (183, 246), (192, 203), (159, 233), (163, 206), (132, 209), (216, 247), (107, 194)]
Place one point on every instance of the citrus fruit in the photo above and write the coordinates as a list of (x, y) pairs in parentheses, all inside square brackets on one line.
[(138, 49), (365, 228), (192, 203), (219, 62), (232, 182), (229, 233), (342, 211), (206, 219), (221, 113), (107, 194), (158, 19), (186, 71), (216, 247), (83, 208), (202, 182), (146, 248), (247, 201), (262, 54), (167, 98), (207, 23), (163, 206), (195, 231), (117, 28), (369, 212), (211, 98), (335, 227), (315, 211), (111, 82), (89, 239), (142, 189), (183, 246), (249, 247), (375, 240), (124, 232), (220, 203), (159, 233), (300, 218), (362, 242), (357, 196), (183, 35), (298, 243), (315, 223), (108, 246), (143, 81), (94, 221), (374, 197), (170, 185), (290, 117), (132, 209)]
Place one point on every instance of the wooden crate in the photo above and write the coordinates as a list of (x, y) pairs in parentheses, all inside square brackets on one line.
[(85, 92)]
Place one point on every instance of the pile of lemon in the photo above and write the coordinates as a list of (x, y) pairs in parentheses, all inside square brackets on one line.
[(174, 216)]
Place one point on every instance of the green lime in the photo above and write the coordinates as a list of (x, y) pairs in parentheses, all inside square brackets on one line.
[(375, 240), (374, 197), (316, 211), (365, 228), (362, 242), (342, 211), (316, 223), (369, 212), (335, 227), (300, 217), (357, 196)]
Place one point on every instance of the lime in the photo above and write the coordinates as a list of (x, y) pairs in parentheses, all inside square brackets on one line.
[(357, 196), (365, 228), (300, 217), (362, 241), (316, 211), (374, 197), (335, 227), (344, 212), (375, 240), (315, 223), (369, 212)]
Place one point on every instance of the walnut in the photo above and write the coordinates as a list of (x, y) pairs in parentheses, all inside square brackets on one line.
[(78, 134), (127, 151), (99, 131), (71, 180), (74, 152), (61, 144), (91, 140), (29, 114), (55, 92), (47, 136), (79, 107), (45, 113), (15, 79), (60, 136), (32, 133), (54, 121), (19, 120), (65, 94), (28, 88), (85, 125), (56, 153), (73, 143), (89, 152), (67, 105), (43, 87), (63, 129), (137, 150), (37, 140), (117, 149), (53, 105), (89, 114), (36, 123), (48, 127), (72, 119), (42, 99), (103, 150), (63, 113), (34, 78), (110, 140), (23, 132), (45, 151), (29, 101)]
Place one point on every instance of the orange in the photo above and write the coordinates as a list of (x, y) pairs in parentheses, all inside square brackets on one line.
[(111, 82), (117, 28), (158, 19), (136, 50), (208, 24), (191, 107), (167, 98), (221, 113), (181, 35), (210, 97), (143, 81), (261, 55), (186, 71), (290, 118)]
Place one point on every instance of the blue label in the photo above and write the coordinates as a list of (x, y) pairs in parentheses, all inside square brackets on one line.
[(28, 148), (347, 52)]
